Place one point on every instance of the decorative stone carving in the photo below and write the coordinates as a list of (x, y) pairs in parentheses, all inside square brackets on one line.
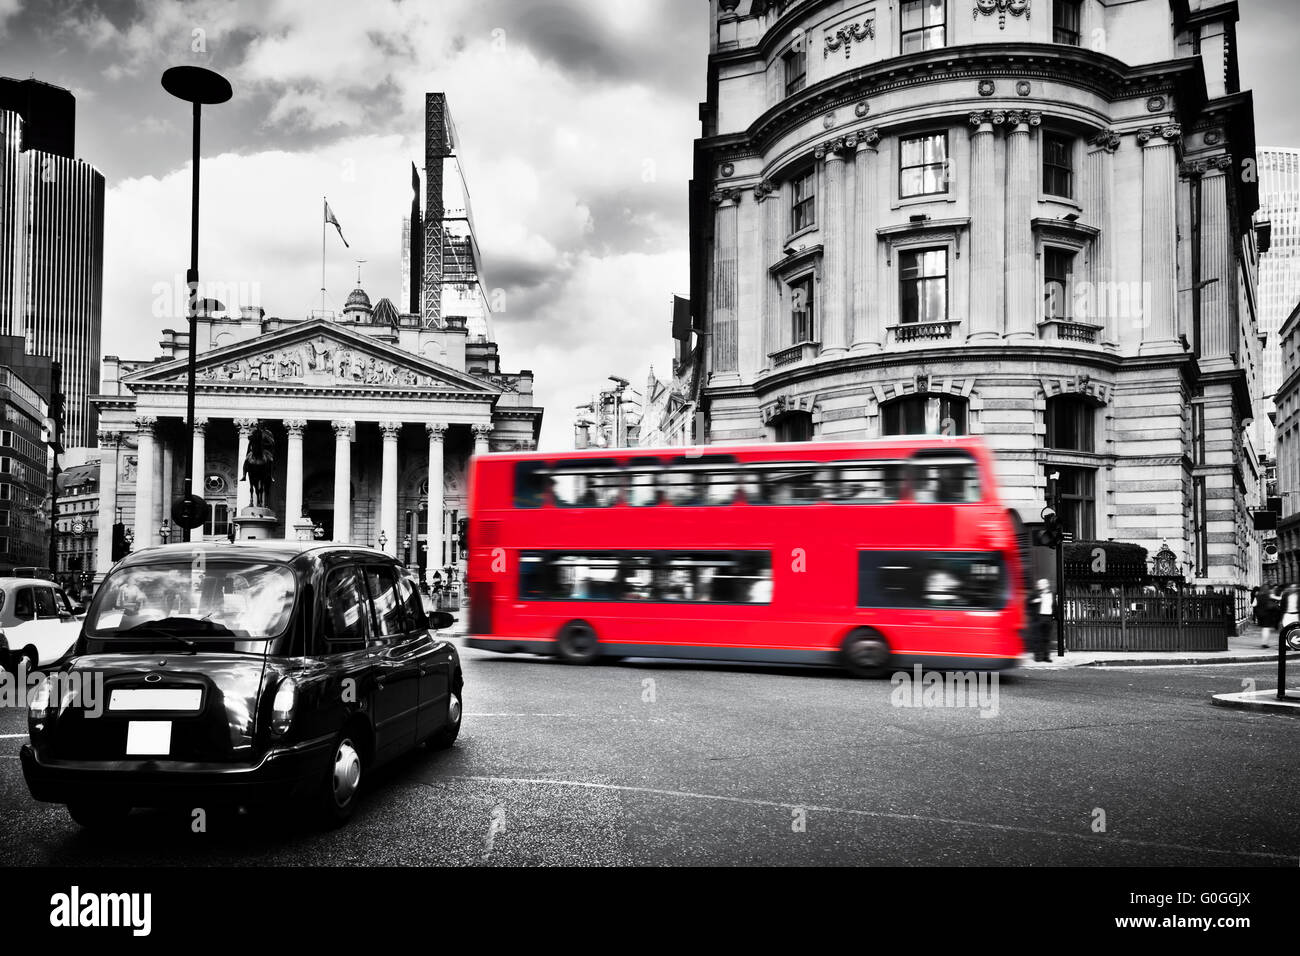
[(200, 426), (862, 109), (344, 429), (437, 431), (1213, 137), (246, 426), (727, 170), (107, 438), (720, 196), (1107, 139), (145, 425), (391, 430), (784, 404), (1169, 132), (1023, 88), (1024, 117), (1017, 8), (986, 88), (764, 189), (846, 35), (320, 360), (832, 147), (828, 121), (1155, 104), (295, 427)]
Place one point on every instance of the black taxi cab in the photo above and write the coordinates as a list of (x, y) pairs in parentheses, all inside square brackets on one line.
[(247, 673)]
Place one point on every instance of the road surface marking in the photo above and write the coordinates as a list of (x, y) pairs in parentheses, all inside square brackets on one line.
[(13, 736), (878, 814)]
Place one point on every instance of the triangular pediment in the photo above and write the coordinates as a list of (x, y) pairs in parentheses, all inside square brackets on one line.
[(314, 354)]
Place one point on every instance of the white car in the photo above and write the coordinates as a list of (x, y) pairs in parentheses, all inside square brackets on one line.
[(37, 622)]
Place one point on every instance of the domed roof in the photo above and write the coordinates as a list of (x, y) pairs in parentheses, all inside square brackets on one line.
[(358, 301)]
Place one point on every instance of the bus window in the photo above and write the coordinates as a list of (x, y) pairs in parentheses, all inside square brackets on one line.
[(905, 579), (641, 490), (728, 487), (603, 490), (531, 484), (791, 485), (710, 578), (696, 577), (867, 484), (945, 479), (680, 487)]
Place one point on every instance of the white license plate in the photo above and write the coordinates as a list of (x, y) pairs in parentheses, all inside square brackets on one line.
[(170, 699), (148, 738)]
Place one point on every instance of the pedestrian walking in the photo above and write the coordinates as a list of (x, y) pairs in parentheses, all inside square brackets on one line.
[(1270, 613), (436, 588)]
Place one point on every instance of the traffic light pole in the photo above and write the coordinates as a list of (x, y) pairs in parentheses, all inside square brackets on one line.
[(56, 442), (1060, 574)]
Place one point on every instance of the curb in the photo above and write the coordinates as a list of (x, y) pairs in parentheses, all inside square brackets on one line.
[(1259, 702), (1184, 661)]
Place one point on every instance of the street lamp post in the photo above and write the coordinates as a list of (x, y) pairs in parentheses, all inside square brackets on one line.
[(197, 86)]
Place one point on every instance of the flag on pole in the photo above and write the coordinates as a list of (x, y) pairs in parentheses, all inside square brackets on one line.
[(329, 218)]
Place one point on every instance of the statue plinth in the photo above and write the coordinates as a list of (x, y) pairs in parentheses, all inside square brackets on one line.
[(255, 524)]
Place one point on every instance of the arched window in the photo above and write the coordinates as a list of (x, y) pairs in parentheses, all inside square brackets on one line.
[(924, 415), (1070, 423), (794, 426)]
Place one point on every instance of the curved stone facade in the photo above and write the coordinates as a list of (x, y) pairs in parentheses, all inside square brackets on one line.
[(975, 216)]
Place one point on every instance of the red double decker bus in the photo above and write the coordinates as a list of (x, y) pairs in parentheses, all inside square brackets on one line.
[(869, 555)]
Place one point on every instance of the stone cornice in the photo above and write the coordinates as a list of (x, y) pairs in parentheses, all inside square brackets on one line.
[(1098, 73), (352, 393)]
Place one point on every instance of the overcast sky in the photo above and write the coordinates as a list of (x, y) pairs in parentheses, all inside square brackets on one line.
[(576, 120)]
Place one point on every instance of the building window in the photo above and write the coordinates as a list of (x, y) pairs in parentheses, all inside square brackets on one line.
[(1070, 423), (1077, 501), (803, 202), (1058, 165), (801, 310), (924, 415), (1065, 21), (796, 68), (218, 522), (1058, 273), (922, 25), (923, 165), (794, 426), (923, 285)]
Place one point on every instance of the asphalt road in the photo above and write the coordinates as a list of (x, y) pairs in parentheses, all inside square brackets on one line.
[(653, 763)]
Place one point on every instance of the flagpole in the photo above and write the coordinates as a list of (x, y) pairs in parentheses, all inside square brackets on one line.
[(323, 203)]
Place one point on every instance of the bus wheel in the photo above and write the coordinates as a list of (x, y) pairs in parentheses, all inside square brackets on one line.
[(864, 652), (577, 643)]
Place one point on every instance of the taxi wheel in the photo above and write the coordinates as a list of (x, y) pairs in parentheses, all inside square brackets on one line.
[(98, 816), (337, 798), (864, 652), (447, 734), (577, 643)]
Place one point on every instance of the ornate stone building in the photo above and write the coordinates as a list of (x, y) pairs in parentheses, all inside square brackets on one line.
[(363, 410), (1027, 221)]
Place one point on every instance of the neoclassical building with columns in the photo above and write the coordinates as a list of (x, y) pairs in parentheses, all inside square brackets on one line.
[(1023, 219), (374, 416)]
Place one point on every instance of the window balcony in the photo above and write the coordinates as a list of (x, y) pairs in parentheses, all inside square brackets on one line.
[(796, 354), (910, 333), (1065, 330)]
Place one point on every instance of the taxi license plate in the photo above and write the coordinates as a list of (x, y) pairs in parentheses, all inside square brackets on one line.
[(148, 738)]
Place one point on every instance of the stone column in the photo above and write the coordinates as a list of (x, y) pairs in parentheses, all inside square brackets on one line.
[(108, 444), (1218, 332), (144, 474), (831, 299), (199, 463), (726, 240), (866, 320), (243, 493), (481, 435), (1159, 239), (294, 428), (1098, 184), (985, 242), (768, 195), (343, 434), (168, 493), (388, 488), (436, 431), (1024, 307), (159, 450)]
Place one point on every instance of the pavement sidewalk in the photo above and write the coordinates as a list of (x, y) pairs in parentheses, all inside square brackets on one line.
[(1244, 647)]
